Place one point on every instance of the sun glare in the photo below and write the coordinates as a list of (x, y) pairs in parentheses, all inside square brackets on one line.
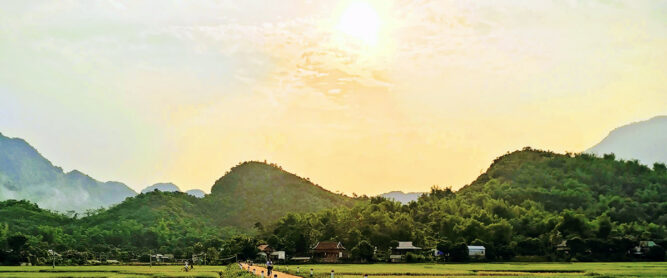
[(360, 21)]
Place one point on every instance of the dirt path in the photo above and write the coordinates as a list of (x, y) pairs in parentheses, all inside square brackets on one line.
[(258, 270)]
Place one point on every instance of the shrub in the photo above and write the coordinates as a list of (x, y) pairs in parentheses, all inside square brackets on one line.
[(414, 258)]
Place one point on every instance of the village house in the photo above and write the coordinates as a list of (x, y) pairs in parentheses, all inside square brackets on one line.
[(160, 258), (268, 253), (328, 251), (398, 253), (476, 251), (264, 250), (643, 247)]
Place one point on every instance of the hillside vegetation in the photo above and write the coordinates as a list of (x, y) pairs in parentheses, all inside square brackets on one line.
[(258, 192), (526, 204), (250, 194)]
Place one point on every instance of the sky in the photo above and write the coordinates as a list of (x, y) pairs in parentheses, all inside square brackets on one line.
[(359, 96)]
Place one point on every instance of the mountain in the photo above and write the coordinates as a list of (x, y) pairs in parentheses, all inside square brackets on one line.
[(645, 141), (525, 204), (196, 192), (402, 197), (164, 187), (626, 191), (258, 192), (170, 187), (249, 193), (26, 174)]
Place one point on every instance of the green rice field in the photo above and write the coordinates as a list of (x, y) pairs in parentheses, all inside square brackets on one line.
[(109, 271), (627, 269)]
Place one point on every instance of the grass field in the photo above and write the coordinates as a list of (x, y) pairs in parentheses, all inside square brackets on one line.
[(641, 269), (630, 269), (109, 271)]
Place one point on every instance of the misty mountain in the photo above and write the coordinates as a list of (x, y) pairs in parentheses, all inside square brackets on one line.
[(401, 196), (249, 193), (26, 174), (196, 192), (170, 187), (645, 141), (164, 187)]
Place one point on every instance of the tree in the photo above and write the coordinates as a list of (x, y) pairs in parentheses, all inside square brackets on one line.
[(243, 246), (364, 251), (4, 231), (656, 253), (604, 227), (459, 253), (445, 247), (501, 233), (572, 223), (199, 248), (212, 255), (576, 245), (18, 245), (214, 243), (17, 242)]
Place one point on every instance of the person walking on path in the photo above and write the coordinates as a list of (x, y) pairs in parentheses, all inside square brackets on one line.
[(269, 267)]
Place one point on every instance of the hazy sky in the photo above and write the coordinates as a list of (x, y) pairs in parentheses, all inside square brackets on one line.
[(359, 96)]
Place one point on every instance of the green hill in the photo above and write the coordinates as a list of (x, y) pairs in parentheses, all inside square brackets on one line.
[(258, 192), (153, 220), (172, 222), (626, 190), (525, 204)]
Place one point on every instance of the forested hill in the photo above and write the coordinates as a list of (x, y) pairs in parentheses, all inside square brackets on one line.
[(255, 192), (526, 204), (173, 222), (625, 190)]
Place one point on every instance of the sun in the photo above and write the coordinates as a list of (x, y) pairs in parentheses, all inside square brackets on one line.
[(360, 21)]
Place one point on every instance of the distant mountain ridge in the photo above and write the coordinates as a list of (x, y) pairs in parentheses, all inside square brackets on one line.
[(26, 174), (645, 141), (196, 192), (164, 187), (402, 197), (170, 187)]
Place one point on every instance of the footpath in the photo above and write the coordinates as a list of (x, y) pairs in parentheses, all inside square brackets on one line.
[(257, 270)]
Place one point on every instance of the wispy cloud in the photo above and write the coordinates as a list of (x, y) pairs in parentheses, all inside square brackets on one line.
[(202, 85)]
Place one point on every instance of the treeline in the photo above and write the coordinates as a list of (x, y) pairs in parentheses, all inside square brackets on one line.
[(163, 222), (39, 236), (529, 204)]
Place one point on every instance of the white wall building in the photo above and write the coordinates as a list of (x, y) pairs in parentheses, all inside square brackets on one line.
[(476, 251)]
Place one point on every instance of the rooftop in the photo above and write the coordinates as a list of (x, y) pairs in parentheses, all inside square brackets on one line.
[(328, 245), (407, 245)]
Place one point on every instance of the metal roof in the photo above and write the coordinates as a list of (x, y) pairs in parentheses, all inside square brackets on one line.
[(406, 245)]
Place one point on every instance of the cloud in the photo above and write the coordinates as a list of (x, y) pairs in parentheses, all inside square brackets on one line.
[(227, 80)]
